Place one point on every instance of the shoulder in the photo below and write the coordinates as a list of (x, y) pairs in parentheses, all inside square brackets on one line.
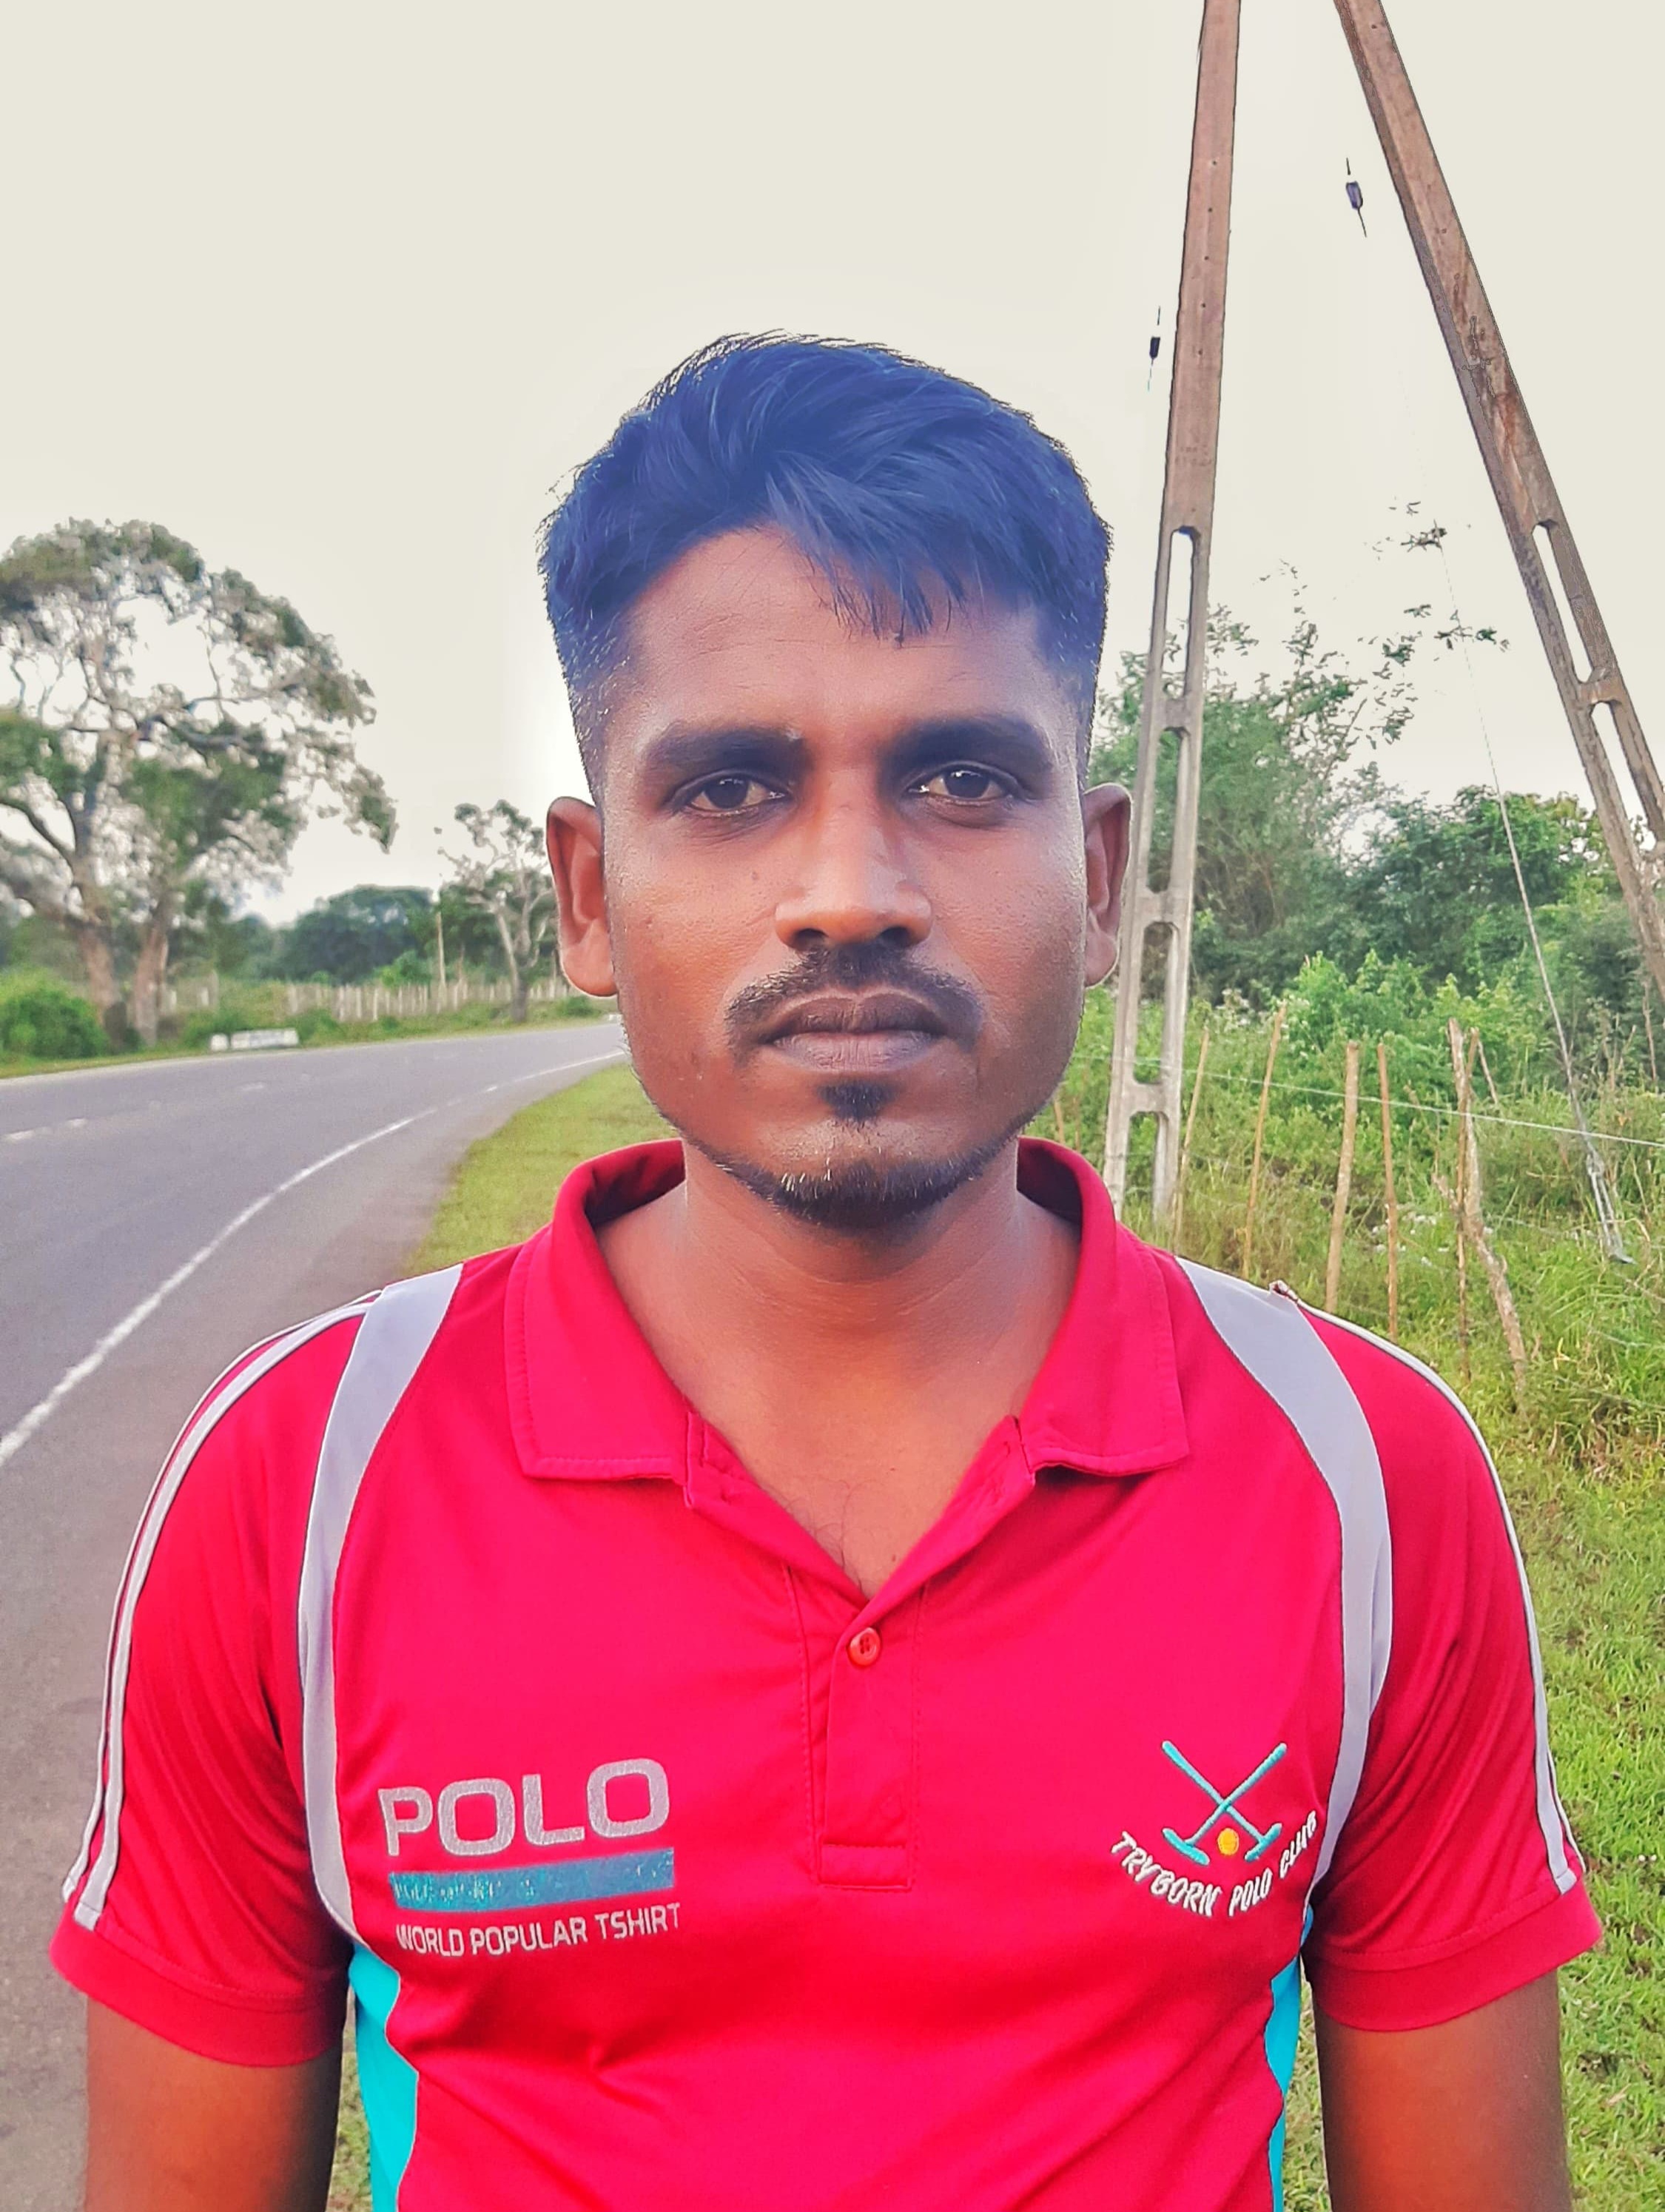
[(1437, 1474), (254, 1441), (1361, 1406)]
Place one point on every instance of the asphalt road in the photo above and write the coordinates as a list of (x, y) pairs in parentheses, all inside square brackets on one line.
[(155, 1219)]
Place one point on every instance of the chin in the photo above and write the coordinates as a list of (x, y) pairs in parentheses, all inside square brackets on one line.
[(863, 1181)]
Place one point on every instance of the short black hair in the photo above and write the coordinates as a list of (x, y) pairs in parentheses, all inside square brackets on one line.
[(904, 486)]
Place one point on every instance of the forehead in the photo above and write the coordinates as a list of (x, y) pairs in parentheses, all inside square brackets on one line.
[(744, 627)]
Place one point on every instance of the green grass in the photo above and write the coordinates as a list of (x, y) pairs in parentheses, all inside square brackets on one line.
[(1581, 1465), (318, 1028), (506, 1184)]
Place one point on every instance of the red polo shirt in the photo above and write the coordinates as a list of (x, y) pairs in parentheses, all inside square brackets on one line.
[(459, 1658)]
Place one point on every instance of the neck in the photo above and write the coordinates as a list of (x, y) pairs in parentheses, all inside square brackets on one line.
[(941, 1283), (855, 1376)]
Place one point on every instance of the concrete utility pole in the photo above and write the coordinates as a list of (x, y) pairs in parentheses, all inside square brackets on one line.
[(1538, 532), (1187, 521), (1582, 659)]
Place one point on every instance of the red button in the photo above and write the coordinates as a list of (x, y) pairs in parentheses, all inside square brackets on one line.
[(865, 1647)]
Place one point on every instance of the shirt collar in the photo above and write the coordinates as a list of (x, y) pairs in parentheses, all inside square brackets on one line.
[(588, 1399)]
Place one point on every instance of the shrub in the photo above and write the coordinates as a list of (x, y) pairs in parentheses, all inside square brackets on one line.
[(45, 1021), (208, 1022)]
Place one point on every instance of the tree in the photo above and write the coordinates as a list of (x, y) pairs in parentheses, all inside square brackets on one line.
[(350, 936), (1438, 885), (505, 875), (1288, 777), (231, 944), (170, 725)]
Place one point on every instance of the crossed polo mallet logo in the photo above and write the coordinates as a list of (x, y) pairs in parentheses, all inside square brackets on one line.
[(1263, 1839)]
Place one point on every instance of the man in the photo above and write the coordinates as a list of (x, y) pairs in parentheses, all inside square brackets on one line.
[(833, 1676)]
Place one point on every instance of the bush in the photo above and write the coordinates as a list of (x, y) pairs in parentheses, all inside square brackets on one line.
[(45, 1021), (208, 1022), (315, 1026)]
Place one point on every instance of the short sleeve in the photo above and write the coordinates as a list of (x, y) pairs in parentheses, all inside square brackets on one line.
[(1455, 1879), (193, 1909)]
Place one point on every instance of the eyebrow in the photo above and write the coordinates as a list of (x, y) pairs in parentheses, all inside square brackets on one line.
[(1008, 741), (684, 750)]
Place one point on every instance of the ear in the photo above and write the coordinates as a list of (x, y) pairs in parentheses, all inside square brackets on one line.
[(573, 835), (1105, 810)]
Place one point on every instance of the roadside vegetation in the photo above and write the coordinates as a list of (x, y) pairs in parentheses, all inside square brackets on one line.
[(45, 1026), (506, 1185)]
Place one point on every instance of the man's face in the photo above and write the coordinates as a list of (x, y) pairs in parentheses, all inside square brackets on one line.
[(847, 895)]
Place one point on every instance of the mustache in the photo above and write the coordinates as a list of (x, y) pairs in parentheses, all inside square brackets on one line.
[(864, 966)]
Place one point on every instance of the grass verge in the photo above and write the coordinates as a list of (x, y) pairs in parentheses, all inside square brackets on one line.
[(506, 1184), (320, 1030), (1589, 1505)]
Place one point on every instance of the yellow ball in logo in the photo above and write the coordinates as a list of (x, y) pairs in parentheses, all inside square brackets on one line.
[(1229, 1841)]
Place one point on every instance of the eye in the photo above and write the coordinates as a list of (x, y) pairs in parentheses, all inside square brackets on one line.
[(730, 794), (962, 780)]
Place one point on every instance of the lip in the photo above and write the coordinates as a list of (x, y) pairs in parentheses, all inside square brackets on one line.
[(847, 1016), (856, 1052)]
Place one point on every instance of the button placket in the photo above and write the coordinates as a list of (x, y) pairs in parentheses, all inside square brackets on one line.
[(867, 1818)]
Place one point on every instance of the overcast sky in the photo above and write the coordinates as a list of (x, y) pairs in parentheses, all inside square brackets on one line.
[(340, 291)]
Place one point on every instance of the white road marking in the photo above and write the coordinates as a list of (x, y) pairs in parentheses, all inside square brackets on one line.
[(15, 1439), (565, 1067), (45, 1129)]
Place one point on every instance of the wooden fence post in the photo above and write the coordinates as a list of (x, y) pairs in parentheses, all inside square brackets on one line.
[(1178, 1217), (1343, 1180), (1273, 1043), (1471, 1224), (1457, 1198), (1479, 1045), (1392, 1202)]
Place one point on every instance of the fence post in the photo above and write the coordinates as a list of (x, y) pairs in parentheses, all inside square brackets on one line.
[(1471, 1226), (1260, 1138), (1178, 1216), (1388, 1185), (1458, 1196), (1343, 1180)]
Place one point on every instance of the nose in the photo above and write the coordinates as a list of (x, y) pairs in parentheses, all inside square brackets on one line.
[(852, 887)]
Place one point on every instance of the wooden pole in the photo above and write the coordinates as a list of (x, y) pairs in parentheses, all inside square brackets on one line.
[(1185, 1147), (1485, 1068), (1459, 1196), (1387, 1186), (1471, 1227), (1533, 516), (1260, 1138), (1343, 1181)]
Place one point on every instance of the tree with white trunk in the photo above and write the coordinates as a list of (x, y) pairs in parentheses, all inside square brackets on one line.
[(168, 726), (504, 874)]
